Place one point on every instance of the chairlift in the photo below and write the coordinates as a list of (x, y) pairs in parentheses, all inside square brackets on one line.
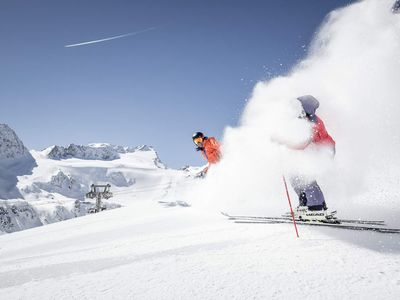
[(98, 192)]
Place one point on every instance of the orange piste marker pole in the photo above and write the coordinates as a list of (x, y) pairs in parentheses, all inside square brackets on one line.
[(290, 205)]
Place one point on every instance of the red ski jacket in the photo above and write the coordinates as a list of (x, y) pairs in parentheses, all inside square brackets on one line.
[(321, 136)]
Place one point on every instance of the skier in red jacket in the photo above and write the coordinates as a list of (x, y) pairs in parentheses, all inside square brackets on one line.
[(312, 203), (209, 147)]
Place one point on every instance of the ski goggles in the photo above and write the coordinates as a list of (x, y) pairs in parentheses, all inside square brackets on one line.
[(198, 141)]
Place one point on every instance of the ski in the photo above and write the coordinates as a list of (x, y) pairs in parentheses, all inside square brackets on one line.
[(289, 217), (355, 221), (313, 223)]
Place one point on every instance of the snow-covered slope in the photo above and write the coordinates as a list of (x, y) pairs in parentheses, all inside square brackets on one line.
[(144, 251)]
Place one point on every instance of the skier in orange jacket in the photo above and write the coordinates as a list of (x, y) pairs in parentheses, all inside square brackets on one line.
[(209, 147)]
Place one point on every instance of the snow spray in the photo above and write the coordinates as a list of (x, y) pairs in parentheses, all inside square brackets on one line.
[(353, 69)]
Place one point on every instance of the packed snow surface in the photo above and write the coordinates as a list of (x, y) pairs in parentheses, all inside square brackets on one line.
[(144, 251)]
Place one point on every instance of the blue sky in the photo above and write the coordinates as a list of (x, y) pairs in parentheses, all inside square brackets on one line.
[(194, 72)]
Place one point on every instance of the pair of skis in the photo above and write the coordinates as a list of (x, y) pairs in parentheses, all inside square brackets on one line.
[(362, 225)]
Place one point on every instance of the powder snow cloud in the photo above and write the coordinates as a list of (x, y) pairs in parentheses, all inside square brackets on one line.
[(353, 68)]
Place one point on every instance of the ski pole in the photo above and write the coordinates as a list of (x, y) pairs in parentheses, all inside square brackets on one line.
[(290, 205)]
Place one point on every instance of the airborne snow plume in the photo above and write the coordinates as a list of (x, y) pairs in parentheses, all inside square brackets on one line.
[(353, 68)]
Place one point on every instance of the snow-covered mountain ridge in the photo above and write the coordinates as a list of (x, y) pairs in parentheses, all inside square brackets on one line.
[(97, 151), (15, 160), (11, 147)]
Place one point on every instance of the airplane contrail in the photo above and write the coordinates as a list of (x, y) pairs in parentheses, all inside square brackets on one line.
[(110, 38)]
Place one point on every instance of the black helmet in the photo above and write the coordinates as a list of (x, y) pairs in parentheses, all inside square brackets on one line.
[(197, 135), (198, 138)]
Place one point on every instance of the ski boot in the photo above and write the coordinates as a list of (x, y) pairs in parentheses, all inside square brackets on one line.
[(305, 213)]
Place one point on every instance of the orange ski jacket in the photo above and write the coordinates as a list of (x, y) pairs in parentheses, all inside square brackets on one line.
[(211, 150)]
